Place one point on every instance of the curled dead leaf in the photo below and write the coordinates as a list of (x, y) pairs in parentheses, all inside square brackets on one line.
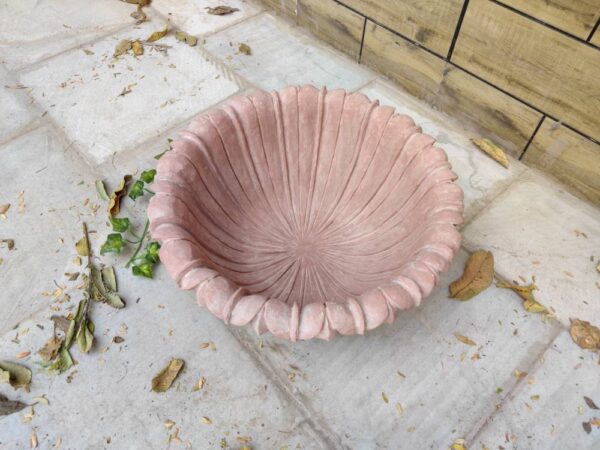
[(221, 10), (4, 208), (10, 243), (588, 401), (158, 34), (526, 293), (114, 205), (492, 150), (122, 47), (585, 334), (164, 379), (19, 376), (137, 48), (477, 276)]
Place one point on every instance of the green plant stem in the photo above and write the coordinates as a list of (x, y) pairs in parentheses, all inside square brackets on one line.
[(137, 250)]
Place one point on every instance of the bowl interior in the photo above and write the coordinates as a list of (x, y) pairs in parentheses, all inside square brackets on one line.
[(311, 195)]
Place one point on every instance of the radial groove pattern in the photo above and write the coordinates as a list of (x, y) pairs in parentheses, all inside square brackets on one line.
[(306, 212)]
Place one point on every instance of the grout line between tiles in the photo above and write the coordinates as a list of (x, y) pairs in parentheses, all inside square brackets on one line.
[(532, 137), (322, 433), (532, 368)]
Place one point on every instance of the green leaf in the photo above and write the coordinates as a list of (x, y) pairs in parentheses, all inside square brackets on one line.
[(148, 175), (119, 224), (104, 285), (160, 155), (69, 334), (19, 376), (143, 270), (4, 376), (114, 244), (85, 336), (109, 279), (137, 190), (83, 247), (63, 362), (81, 310), (152, 252), (101, 189)]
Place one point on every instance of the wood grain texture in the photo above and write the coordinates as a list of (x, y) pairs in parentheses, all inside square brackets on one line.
[(577, 17), (492, 113), (551, 71), (596, 37), (428, 22), (568, 156), (499, 117), (333, 23), (283, 7), (416, 70)]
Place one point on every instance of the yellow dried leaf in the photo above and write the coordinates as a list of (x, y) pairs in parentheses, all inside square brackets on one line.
[(187, 38), (526, 293), (535, 398), (114, 205), (19, 376), (4, 208), (164, 379), (520, 375), (199, 385), (585, 334), (122, 47), (21, 199), (399, 409), (169, 424), (158, 34), (34, 440), (42, 399), (245, 49), (477, 276), (384, 397), (458, 444), (492, 150), (205, 420), (464, 339), (137, 47)]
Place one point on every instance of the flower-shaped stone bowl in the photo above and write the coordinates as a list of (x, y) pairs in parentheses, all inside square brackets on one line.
[(305, 212)]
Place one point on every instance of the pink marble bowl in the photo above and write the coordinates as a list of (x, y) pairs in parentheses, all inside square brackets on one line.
[(306, 212)]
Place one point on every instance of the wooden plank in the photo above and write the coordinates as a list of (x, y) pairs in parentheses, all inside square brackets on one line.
[(577, 17), (416, 70), (596, 37), (497, 116), (553, 72), (488, 111), (283, 7), (568, 156), (333, 23), (431, 22)]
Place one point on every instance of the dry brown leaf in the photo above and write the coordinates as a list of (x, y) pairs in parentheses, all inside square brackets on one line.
[(199, 385), (590, 403), (477, 276), (520, 375), (164, 379), (526, 293), (492, 150), (464, 339), (221, 10), (122, 47), (585, 334), (137, 48), (158, 34), (21, 200), (587, 427), (4, 208), (245, 49), (385, 397), (205, 420), (535, 398), (114, 205), (50, 349), (34, 440), (10, 406)]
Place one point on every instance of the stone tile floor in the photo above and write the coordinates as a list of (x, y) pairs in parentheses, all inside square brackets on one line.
[(63, 125)]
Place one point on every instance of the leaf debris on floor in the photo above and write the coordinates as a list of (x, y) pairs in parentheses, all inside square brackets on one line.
[(477, 276), (492, 150), (163, 380), (221, 10)]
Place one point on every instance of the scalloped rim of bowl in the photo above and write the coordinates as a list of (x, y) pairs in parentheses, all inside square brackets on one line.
[(321, 319)]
